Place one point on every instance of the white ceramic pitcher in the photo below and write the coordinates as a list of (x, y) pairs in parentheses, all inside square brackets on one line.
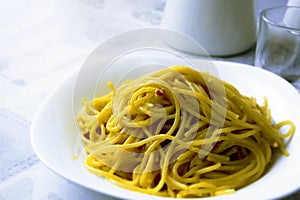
[(222, 27)]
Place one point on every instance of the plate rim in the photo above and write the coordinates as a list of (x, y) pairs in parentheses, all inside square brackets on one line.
[(69, 80)]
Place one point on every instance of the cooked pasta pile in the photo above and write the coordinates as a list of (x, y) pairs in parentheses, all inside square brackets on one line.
[(179, 133)]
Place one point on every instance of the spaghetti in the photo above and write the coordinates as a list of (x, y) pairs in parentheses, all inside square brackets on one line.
[(179, 133)]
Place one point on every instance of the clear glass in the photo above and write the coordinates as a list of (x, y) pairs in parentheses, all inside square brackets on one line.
[(278, 43)]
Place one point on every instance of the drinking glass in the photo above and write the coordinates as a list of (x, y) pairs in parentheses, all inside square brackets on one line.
[(278, 43)]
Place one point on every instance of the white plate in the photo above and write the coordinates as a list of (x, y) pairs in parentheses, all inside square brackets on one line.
[(55, 138)]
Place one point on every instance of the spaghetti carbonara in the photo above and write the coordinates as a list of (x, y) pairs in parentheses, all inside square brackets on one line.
[(179, 133)]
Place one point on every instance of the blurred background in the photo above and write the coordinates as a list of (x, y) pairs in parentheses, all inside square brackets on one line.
[(41, 42)]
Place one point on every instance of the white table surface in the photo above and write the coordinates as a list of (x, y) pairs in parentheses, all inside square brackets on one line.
[(42, 42)]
